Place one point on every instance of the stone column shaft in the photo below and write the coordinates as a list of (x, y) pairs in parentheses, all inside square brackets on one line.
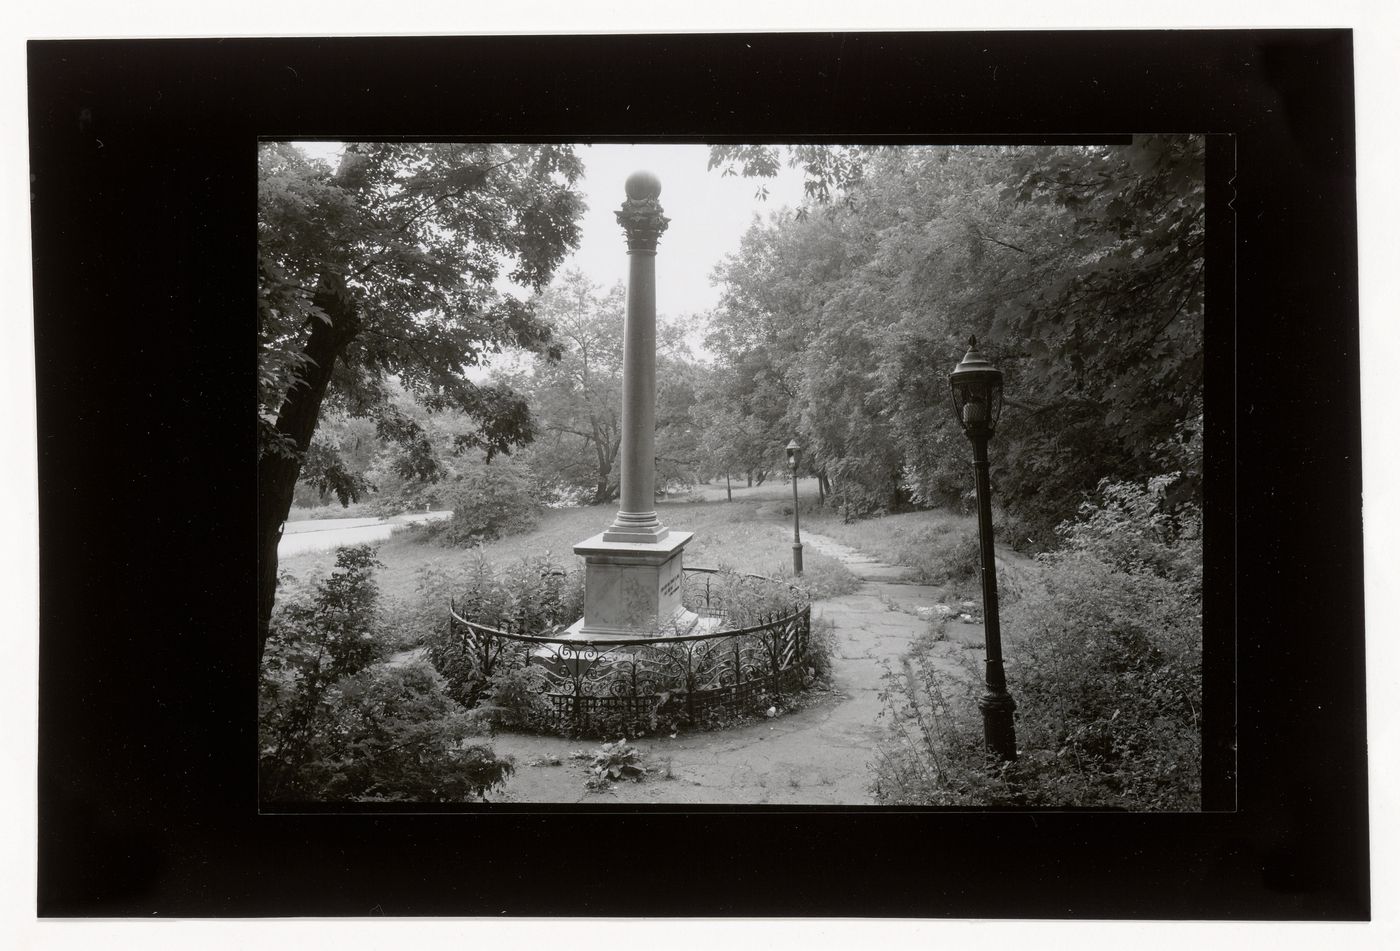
[(639, 390), (634, 570), (643, 222)]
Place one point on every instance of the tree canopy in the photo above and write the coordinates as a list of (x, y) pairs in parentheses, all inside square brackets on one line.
[(576, 397), (1079, 269), (390, 267)]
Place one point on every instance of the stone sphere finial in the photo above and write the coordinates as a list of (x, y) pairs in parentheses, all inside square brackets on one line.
[(643, 186)]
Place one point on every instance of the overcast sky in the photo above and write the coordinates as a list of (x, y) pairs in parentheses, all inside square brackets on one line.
[(709, 213)]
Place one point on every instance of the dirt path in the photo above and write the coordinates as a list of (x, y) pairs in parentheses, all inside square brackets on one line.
[(817, 755)]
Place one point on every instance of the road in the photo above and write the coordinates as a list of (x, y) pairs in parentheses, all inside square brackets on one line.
[(324, 533)]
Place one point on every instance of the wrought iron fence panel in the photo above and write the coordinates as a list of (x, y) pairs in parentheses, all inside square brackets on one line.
[(605, 686)]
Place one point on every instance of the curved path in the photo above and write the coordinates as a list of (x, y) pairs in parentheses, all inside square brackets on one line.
[(820, 754)]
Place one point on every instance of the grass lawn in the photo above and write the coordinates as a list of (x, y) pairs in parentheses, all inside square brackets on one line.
[(749, 534)]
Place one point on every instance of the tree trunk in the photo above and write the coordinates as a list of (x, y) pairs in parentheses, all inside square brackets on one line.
[(821, 489), (296, 423), (602, 486), (728, 491)]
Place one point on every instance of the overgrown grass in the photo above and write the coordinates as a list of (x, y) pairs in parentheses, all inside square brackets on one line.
[(941, 546), (727, 535), (1103, 657)]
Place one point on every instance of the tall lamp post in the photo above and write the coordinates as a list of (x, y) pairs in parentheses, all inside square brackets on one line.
[(976, 387), (794, 452)]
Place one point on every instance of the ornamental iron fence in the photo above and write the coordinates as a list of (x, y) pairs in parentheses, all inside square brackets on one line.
[(635, 685)]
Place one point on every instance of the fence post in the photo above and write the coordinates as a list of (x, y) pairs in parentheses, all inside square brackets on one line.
[(775, 656), (690, 683)]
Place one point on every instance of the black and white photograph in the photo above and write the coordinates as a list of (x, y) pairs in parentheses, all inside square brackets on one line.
[(754, 474), (712, 476)]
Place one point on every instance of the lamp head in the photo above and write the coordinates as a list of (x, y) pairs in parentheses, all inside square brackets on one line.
[(976, 390)]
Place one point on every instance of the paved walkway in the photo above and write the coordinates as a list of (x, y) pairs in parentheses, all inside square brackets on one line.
[(817, 755)]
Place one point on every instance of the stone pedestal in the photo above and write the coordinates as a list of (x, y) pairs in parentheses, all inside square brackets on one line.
[(633, 589)]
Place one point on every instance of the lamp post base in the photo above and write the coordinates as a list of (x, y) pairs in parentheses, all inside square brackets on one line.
[(797, 559), (997, 724)]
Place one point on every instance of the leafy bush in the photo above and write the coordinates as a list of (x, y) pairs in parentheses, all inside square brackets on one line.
[(319, 634), (335, 727), (1132, 528), (397, 736), (822, 576), (1111, 686), (487, 502), (413, 620), (1103, 653), (962, 562), (514, 697), (748, 600), (534, 595)]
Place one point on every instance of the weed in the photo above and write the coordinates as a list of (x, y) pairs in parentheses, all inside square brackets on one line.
[(615, 761)]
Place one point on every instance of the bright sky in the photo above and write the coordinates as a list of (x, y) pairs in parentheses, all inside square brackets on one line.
[(709, 214)]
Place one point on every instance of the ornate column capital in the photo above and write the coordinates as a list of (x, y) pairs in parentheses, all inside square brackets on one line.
[(640, 215)]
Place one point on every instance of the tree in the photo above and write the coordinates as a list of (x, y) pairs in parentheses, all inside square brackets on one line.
[(1079, 269), (386, 267), (577, 399)]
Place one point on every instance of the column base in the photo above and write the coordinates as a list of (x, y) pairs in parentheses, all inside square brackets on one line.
[(634, 527), (632, 588)]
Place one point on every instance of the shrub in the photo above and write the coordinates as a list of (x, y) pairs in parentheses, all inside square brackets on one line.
[(399, 737), (534, 595), (514, 697), (319, 634), (487, 502), (822, 576), (962, 560), (1132, 528), (748, 600), (334, 727), (1111, 682)]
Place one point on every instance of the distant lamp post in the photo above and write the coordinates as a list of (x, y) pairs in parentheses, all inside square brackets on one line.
[(976, 387), (794, 453)]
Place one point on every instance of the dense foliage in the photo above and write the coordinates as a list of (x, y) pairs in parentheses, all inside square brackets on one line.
[(576, 399), (386, 268), (530, 596), (1103, 651), (335, 724), (1078, 268), (487, 502)]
